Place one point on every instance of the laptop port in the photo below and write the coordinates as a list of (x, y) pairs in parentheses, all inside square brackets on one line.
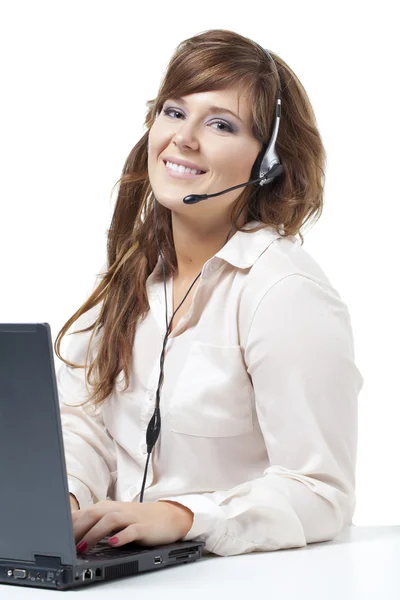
[(157, 560), (19, 573), (88, 574)]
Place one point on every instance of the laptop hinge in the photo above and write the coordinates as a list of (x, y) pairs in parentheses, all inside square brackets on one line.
[(53, 562)]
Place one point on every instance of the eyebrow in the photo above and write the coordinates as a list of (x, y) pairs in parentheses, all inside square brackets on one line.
[(210, 108)]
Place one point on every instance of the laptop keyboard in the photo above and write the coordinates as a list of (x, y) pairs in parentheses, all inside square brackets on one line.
[(102, 550)]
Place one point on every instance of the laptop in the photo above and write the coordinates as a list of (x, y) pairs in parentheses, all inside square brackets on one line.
[(37, 545)]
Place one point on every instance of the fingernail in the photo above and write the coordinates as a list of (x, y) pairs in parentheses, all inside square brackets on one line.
[(81, 547), (113, 540)]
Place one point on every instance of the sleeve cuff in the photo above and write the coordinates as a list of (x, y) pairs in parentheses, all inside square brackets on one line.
[(80, 491), (209, 520)]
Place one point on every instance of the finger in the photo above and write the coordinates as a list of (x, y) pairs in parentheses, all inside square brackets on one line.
[(135, 532), (108, 525)]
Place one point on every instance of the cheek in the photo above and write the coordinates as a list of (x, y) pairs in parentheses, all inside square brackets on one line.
[(155, 137), (236, 158), (231, 166)]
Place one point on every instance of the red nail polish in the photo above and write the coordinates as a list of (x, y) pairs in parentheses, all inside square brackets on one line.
[(81, 547), (113, 540)]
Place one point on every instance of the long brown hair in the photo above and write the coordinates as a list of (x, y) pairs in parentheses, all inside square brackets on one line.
[(212, 60)]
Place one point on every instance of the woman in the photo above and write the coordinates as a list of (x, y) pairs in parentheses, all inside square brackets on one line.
[(258, 394)]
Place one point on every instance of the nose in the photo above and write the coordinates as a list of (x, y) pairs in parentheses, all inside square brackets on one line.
[(186, 138)]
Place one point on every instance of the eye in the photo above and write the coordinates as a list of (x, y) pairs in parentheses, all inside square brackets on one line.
[(167, 112)]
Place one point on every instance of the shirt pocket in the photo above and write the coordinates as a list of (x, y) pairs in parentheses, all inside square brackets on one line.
[(213, 395)]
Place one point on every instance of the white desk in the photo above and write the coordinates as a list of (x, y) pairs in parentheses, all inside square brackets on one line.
[(362, 563)]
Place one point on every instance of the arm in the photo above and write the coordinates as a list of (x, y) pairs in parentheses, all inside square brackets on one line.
[(299, 354), (89, 448)]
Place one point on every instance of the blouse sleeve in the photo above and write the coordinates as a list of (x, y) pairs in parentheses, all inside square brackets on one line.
[(89, 449), (300, 356)]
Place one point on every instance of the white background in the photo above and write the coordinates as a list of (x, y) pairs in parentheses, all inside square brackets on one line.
[(75, 78)]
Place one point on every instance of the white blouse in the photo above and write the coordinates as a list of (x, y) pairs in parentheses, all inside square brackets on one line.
[(258, 404)]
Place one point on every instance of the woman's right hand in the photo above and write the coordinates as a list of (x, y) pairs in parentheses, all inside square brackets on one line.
[(74, 503)]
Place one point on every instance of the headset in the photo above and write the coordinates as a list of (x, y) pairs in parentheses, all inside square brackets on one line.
[(265, 169)]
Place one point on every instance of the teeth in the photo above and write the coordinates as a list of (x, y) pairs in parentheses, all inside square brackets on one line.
[(182, 169)]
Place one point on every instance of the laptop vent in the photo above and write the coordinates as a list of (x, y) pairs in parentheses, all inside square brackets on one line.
[(128, 568)]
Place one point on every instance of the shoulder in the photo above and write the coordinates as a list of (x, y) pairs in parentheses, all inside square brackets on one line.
[(285, 273), (284, 257)]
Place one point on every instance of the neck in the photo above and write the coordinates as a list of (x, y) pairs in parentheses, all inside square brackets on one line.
[(195, 245)]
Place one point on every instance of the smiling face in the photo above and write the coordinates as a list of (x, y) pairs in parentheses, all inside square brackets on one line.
[(212, 139)]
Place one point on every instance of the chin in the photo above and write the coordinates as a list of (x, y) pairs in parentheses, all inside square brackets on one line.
[(175, 203)]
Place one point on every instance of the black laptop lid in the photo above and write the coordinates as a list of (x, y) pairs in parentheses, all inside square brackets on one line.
[(35, 515)]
